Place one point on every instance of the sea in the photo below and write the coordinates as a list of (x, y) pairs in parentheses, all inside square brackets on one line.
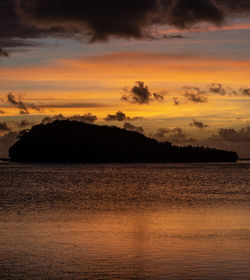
[(124, 221)]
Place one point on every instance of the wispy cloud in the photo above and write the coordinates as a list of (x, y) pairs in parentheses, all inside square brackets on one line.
[(17, 101)]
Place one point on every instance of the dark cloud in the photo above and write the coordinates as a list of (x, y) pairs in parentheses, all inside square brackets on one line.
[(15, 32), (183, 13), (17, 101), (4, 126), (140, 94), (195, 95), (129, 126), (120, 116), (102, 19), (87, 118), (99, 20), (198, 124), (2, 112)]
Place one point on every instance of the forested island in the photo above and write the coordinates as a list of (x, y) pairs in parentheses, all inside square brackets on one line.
[(78, 142)]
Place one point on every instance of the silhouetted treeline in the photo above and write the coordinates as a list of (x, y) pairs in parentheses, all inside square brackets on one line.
[(71, 141)]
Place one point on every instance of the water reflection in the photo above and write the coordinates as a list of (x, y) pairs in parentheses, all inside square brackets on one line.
[(85, 227)]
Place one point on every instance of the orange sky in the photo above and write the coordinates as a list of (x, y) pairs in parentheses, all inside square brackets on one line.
[(68, 77)]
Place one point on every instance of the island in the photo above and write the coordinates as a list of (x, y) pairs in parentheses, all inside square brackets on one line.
[(78, 142)]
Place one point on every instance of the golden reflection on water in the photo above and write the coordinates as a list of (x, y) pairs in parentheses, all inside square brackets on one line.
[(124, 222), (192, 243)]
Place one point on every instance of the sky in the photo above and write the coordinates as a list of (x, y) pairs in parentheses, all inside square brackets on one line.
[(175, 70)]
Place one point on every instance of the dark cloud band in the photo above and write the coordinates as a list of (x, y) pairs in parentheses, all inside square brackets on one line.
[(100, 19)]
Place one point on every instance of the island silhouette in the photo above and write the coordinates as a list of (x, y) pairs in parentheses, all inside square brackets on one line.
[(78, 142)]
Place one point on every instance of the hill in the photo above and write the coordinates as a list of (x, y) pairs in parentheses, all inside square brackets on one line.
[(71, 141)]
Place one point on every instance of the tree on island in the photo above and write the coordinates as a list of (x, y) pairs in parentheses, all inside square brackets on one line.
[(72, 141)]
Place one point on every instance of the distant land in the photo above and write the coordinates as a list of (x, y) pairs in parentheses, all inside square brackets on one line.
[(78, 142)]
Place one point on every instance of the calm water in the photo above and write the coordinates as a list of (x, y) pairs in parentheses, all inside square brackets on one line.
[(152, 221)]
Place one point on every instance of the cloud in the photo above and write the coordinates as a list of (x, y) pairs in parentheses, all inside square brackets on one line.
[(129, 126), (98, 20), (6, 141), (231, 139), (198, 95), (24, 123), (14, 32), (101, 19), (140, 94), (14, 125), (87, 118), (220, 89), (169, 37), (179, 137), (3, 53), (160, 133), (120, 116), (217, 88), (2, 112), (8, 45), (4, 126), (23, 107), (195, 95), (226, 138), (175, 136), (198, 124), (71, 105), (176, 101), (233, 135), (245, 91)]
